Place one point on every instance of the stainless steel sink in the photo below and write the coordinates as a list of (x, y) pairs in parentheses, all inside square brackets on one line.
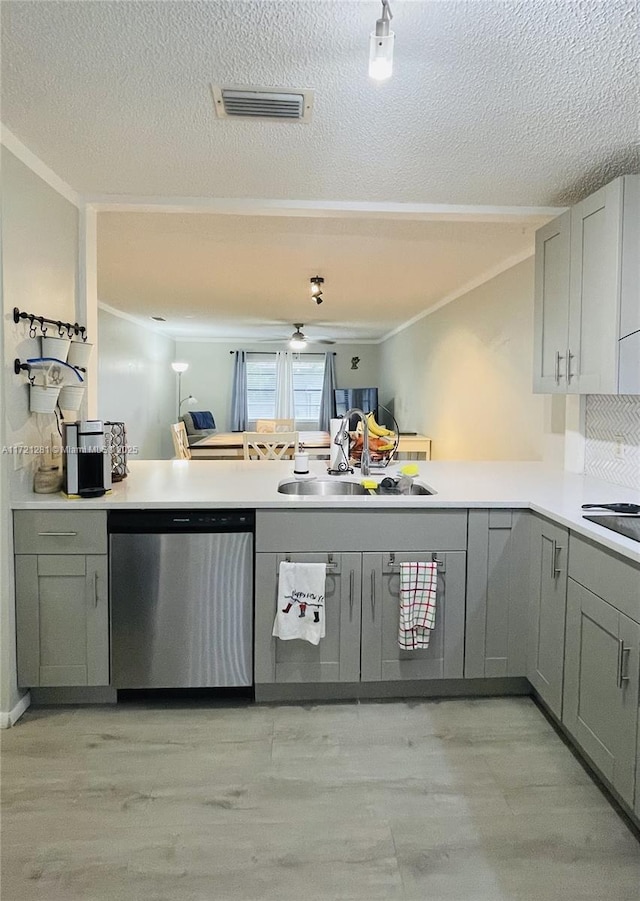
[(393, 492), (326, 488)]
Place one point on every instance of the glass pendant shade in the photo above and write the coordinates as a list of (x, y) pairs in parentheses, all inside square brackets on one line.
[(381, 55)]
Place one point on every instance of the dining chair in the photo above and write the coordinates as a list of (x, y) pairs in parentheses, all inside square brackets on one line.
[(270, 445), (275, 425), (180, 441)]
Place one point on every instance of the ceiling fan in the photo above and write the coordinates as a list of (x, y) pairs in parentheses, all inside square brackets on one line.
[(298, 340)]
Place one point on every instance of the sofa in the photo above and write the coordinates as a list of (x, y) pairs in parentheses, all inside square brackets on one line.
[(194, 434)]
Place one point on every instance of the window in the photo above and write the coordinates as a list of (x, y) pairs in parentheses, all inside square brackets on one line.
[(261, 386), (308, 376)]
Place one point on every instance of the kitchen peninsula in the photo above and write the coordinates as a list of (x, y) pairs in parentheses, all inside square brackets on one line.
[(532, 597)]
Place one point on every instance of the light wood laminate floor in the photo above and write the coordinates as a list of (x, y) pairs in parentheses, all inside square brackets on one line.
[(448, 801)]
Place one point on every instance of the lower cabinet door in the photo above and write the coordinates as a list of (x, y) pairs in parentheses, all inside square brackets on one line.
[(637, 804), (546, 628), (337, 657), (382, 659), (601, 686), (62, 620)]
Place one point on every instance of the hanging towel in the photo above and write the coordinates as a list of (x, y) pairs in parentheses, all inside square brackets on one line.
[(300, 612), (418, 588)]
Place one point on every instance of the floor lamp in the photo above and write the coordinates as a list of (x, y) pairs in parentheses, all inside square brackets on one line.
[(179, 368)]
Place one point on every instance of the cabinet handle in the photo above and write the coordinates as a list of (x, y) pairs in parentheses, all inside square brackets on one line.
[(95, 589), (373, 594), (558, 358), (623, 658), (57, 534), (351, 578), (556, 555), (570, 357)]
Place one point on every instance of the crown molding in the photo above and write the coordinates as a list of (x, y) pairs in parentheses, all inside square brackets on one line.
[(135, 320), (509, 263), (33, 162), (240, 206)]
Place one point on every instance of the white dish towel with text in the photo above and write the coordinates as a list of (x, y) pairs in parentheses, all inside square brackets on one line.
[(300, 612), (418, 591)]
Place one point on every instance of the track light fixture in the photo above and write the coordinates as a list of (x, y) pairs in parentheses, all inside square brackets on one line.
[(316, 288), (381, 46)]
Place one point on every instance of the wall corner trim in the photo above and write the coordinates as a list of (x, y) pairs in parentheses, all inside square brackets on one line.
[(10, 718), (33, 162)]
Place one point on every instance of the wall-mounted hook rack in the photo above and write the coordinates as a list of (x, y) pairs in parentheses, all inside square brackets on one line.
[(40, 363), (71, 328), (18, 366)]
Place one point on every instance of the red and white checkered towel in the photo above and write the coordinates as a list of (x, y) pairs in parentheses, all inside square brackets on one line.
[(418, 589)]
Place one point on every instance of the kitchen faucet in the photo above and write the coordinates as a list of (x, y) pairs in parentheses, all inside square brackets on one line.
[(365, 460)]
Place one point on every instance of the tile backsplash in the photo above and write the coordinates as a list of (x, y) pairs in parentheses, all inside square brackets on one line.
[(612, 431)]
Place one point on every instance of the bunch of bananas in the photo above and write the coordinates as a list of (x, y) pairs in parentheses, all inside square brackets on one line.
[(381, 439)]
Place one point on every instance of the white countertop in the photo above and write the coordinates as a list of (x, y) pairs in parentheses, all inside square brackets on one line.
[(228, 483)]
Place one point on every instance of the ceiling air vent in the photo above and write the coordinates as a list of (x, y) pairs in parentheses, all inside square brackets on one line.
[(262, 103)]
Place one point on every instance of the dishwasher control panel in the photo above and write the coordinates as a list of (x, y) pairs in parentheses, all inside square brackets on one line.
[(155, 521)]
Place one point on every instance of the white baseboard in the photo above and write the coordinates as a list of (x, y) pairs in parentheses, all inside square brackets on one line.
[(11, 717)]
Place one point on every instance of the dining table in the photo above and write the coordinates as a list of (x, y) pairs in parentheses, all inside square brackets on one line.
[(229, 446)]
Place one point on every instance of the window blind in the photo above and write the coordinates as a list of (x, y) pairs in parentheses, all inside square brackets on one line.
[(308, 374)]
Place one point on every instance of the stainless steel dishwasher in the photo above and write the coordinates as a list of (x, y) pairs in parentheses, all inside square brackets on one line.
[(181, 588)]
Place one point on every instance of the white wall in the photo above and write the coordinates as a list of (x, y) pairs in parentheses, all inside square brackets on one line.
[(463, 376), (39, 275), (136, 384), (210, 372)]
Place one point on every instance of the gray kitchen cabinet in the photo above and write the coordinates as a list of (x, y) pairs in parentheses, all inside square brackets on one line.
[(637, 804), (62, 619), (547, 611), (592, 347), (381, 657), (337, 657), (586, 278), (362, 624), (498, 576), (551, 306), (62, 597), (602, 671)]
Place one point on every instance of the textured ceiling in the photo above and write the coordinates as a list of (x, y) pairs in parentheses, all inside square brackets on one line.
[(532, 102), (243, 276)]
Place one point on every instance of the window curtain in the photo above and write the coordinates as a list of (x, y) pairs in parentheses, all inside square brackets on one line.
[(328, 399), (239, 393), (285, 403)]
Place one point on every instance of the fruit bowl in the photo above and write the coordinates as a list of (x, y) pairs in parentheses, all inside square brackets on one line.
[(383, 443)]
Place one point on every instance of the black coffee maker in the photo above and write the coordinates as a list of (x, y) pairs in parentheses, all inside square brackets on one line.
[(87, 459)]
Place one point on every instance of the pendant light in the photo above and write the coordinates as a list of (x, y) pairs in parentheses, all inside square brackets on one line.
[(381, 46)]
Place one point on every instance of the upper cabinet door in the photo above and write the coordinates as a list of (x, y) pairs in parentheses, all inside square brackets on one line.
[(594, 305), (551, 321)]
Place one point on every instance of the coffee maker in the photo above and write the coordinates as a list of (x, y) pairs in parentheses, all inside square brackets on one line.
[(87, 462)]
